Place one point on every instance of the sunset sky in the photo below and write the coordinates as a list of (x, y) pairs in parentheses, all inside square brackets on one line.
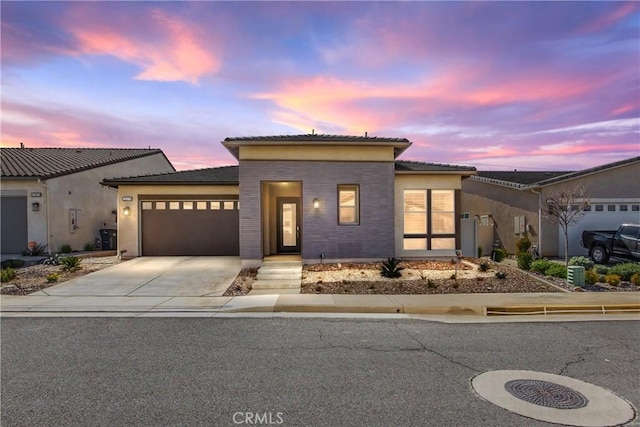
[(495, 85)]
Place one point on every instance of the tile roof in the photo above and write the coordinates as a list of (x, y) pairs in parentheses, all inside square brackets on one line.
[(312, 137), (53, 162), (526, 180), (411, 166), (210, 176)]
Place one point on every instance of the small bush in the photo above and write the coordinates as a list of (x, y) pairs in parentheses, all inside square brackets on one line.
[(501, 275), (66, 249), (453, 277), (35, 250), (431, 284), (556, 270), (590, 277), (52, 260), (391, 268), (601, 269), (479, 251), (635, 279), (499, 255), (71, 263), (612, 279), (540, 265), (52, 278), (13, 263), (626, 270), (582, 262), (89, 247), (484, 266), (7, 274), (601, 279), (523, 245), (524, 260)]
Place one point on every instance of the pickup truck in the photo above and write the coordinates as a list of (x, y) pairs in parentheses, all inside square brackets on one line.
[(622, 243)]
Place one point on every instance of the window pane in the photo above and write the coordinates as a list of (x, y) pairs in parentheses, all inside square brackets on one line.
[(599, 208), (347, 198), (623, 208), (161, 205), (443, 223), (611, 208), (415, 223), (228, 206), (415, 200), (215, 206), (348, 204), (174, 205), (449, 243), (442, 200), (201, 206), (187, 205), (347, 214), (415, 244), (147, 205)]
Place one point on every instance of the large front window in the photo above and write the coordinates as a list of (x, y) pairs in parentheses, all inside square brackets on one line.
[(348, 205), (429, 220)]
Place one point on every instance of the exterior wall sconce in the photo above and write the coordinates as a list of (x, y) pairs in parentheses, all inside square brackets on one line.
[(316, 203), (35, 206), (126, 211)]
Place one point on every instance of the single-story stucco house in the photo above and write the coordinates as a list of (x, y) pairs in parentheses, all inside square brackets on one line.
[(324, 197), (507, 204), (53, 196)]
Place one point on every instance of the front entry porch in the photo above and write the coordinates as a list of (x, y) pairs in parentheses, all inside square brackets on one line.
[(281, 218)]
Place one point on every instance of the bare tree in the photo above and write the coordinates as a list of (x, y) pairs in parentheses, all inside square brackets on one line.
[(566, 207)]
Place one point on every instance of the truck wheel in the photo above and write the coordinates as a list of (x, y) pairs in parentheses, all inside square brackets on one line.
[(599, 255)]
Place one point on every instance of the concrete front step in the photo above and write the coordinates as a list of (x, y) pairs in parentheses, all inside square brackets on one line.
[(271, 269), (276, 284), (281, 264), (279, 276)]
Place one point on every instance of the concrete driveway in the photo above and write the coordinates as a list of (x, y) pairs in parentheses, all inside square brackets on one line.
[(156, 276)]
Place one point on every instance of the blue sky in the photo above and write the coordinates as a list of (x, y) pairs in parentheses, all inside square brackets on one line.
[(496, 85)]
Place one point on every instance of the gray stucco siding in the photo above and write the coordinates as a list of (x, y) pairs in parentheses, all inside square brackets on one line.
[(372, 238)]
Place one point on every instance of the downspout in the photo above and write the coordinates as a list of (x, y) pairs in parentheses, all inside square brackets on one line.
[(539, 193), (46, 192)]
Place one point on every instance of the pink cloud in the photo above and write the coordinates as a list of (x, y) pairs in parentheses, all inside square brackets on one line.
[(177, 56), (610, 19)]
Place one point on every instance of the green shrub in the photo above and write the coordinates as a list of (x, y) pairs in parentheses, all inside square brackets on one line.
[(524, 260), (590, 277), (52, 278), (582, 262), (635, 279), (479, 251), (499, 255), (626, 270), (7, 274), (71, 263), (66, 249), (391, 268), (540, 265), (13, 263), (89, 247), (523, 245), (501, 275), (601, 279), (556, 270), (483, 266), (612, 279), (601, 269), (35, 250)]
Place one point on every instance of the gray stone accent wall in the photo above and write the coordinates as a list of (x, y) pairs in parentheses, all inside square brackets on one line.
[(372, 238)]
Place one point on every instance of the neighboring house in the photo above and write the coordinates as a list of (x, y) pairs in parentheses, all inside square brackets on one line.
[(54, 196), (507, 204), (321, 196)]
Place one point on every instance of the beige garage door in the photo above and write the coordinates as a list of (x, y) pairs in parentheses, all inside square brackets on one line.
[(190, 227)]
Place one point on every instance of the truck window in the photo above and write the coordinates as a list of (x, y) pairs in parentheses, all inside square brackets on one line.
[(629, 232)]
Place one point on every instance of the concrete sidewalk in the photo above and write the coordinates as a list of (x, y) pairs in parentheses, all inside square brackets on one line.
[(476, 305)]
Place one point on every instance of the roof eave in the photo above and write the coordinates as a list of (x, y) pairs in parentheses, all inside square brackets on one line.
[(460, 172)]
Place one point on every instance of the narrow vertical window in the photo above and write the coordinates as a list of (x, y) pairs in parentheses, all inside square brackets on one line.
[(415, 220), (348, 205)]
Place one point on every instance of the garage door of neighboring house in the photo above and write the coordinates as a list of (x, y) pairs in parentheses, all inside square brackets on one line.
[(13, 227), (190, 227)]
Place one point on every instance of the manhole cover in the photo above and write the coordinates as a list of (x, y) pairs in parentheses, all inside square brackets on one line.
[(547, 394), (553, 398)]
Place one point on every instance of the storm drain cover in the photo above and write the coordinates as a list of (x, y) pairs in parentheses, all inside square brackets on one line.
[(553, 398), (547, 394)]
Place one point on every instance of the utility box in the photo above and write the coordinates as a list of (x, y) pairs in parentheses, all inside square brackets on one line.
[(108, 239), (575, 275)]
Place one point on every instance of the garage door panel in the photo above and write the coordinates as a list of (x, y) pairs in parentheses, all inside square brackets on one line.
[(190, 232)]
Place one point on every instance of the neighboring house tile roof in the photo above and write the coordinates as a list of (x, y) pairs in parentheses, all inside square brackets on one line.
[(225, 175), (53, 162), (526, 180), (411, 166)]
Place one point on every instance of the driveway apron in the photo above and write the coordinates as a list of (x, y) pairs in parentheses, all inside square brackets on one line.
[(156, 276)]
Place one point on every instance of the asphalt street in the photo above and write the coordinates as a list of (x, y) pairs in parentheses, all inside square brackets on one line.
[(291, 372)]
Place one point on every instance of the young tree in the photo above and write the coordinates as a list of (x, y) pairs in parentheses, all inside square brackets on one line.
[(566, 207)]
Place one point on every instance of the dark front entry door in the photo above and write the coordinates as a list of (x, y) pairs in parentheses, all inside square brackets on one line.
[(288, 225)]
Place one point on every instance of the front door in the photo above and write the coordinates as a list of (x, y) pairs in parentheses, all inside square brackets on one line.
[(288, 225)]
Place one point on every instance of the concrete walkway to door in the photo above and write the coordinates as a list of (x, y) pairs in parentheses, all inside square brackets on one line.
[(155, 277)]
